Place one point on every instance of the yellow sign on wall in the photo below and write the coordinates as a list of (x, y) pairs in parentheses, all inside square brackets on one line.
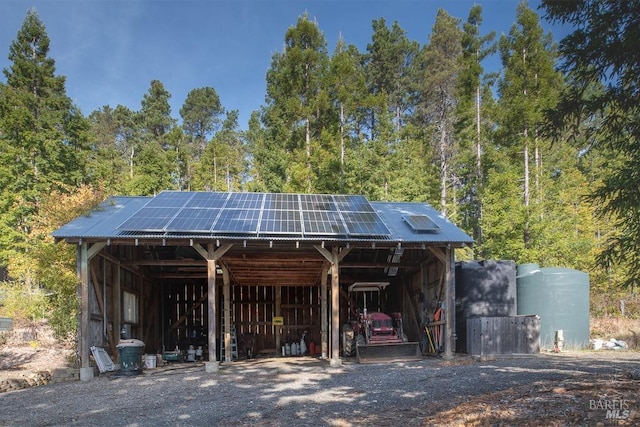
[(278, 321)]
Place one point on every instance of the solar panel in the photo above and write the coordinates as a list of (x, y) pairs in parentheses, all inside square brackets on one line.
[(207, 200), (170, 199), (265, 213), (149, 219), (323, 222), (347, 203), (364, 223), (317, 202), (280, 222), (420, 223), (237, 221), (244, 201), (196, 220), (281, 201)]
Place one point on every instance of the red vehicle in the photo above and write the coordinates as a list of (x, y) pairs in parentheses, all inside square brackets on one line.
[(374, 336)]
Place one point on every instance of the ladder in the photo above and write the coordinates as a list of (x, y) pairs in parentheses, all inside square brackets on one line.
[(234, 346), (224, 356)]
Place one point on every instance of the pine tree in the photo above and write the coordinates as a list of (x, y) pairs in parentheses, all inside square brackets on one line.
[(388, 64), (152, 154), (473, 126), (224, 162), (529, 86), (437, 81), (43, 138), (600, 111), (348, 88), (200, 114), (298, 102)]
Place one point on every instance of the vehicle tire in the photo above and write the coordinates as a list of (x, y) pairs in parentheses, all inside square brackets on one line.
[(348, 341)]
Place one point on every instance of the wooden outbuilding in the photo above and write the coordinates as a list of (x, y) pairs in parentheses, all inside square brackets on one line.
[(243, 274)]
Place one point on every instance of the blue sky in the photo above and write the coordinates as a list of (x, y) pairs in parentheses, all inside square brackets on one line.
[(110, 50)]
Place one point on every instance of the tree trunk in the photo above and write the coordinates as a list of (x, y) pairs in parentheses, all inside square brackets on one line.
[(342, 171)]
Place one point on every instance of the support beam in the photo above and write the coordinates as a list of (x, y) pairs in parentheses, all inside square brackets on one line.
[(335, 308), (226, 314), (94, 249), (440, 254), (210, 253), (117, 302), (212, 364), (86, 372), (324, 307), (450, 301)]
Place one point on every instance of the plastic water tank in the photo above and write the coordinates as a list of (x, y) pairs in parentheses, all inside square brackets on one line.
[(560, 296), (483, 288)]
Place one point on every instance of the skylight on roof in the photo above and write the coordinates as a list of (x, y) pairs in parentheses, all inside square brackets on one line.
[(420, 223)]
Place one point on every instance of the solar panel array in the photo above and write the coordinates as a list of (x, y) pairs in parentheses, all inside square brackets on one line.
[(257, 214)]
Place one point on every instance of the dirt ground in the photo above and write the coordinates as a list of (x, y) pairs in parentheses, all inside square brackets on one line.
[(570, 388)]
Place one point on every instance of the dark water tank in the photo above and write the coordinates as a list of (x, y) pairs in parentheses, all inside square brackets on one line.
[(483, 289), (560, 296)]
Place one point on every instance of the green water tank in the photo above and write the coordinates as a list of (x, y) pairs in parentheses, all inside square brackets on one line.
[(560, 296)]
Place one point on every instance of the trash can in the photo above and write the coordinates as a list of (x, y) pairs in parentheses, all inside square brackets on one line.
[(130, 352)]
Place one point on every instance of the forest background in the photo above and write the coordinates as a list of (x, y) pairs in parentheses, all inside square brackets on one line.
[(538, 161)]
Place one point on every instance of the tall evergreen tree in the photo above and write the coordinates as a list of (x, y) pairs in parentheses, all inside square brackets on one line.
[(473, 125), (108, 160), (43, 137), (156, 111), (601, 59), (267, 162), (200, 114), (152, 156), (297, 101), (437, 82), (529, 86), (347, 84), (224, 162), (388, 64)]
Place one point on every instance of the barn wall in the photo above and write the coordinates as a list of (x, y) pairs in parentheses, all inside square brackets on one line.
[(106, 310), (255, 306), (433, 285), (184, 317)]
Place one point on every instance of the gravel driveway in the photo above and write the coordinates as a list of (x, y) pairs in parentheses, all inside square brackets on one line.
[(296, 391)]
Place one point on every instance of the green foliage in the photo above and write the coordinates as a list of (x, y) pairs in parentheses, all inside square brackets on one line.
[(601, 105), (399, 121), (223, 164), (298, 107), (20, 303), (43, 139)]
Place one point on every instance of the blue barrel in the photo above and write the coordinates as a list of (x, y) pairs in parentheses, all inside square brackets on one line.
[(560, 296)]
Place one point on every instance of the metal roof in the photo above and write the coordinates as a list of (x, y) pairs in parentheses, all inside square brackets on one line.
[(103, 224)]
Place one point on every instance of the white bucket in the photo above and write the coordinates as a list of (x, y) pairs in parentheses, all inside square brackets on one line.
[(150, 361)]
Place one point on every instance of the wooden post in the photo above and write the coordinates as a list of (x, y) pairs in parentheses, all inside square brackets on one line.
[(324, 308), (335, 308), (212, 364), (226, 294), (117, 304), (86, 372), (450, 304)]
